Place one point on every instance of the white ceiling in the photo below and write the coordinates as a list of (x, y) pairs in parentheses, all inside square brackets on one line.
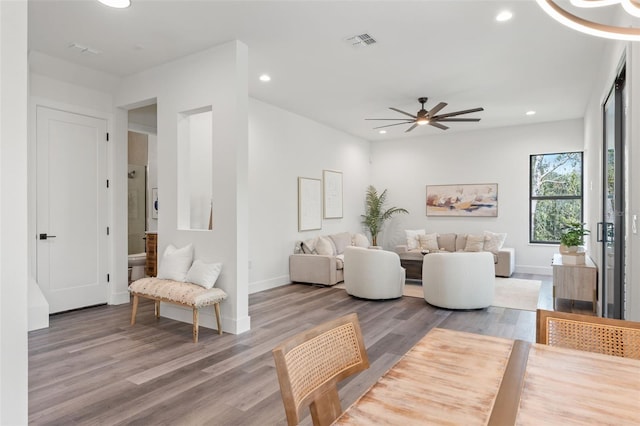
[(448, 50)]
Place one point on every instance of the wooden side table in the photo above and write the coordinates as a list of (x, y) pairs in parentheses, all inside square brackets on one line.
[(575, 282), (151, 267)]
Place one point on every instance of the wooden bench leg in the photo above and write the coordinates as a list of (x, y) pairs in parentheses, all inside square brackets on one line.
[(156, 308), (195, 325), (217, 308), (134, 309)]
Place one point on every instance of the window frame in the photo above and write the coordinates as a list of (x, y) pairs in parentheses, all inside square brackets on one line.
[(533, 198)]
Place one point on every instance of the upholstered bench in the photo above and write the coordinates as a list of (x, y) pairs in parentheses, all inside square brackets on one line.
[(178, 293)]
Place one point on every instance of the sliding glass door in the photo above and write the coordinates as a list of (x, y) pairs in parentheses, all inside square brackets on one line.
[(611, 232)]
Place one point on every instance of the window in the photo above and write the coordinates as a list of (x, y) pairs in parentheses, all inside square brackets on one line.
[(555, 194)]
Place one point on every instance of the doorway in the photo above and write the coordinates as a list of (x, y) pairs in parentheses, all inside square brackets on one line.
[(611, 231)]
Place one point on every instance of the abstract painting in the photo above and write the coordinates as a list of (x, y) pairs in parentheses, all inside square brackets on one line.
[(466, 200)]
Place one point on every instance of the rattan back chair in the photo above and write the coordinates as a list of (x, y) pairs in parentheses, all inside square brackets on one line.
[(310, 365), (588, 333)]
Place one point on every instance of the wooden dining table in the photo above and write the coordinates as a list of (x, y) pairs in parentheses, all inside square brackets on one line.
[(458, 378)]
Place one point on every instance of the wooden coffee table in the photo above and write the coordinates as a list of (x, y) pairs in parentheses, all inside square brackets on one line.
[(413, 268)]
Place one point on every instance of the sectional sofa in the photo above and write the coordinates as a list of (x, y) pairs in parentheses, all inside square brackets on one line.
[(419, 242)]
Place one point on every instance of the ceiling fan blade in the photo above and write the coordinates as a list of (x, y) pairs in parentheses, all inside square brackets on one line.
[(402, 112), (396, 124), (438, 125), (411, 128), (458, 119), (451, 114), (433, 111), (394, 119)]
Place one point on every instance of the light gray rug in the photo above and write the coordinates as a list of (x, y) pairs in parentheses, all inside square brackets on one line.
[(513, 293)]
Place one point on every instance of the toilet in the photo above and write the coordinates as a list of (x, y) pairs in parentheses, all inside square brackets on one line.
[(137, 262)]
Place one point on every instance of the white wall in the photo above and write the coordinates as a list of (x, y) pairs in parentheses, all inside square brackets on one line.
[(13, 213), (282, 147), (404, 167), (215, 77)]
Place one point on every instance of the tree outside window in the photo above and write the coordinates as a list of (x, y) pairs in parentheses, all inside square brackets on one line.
[(555, 194)]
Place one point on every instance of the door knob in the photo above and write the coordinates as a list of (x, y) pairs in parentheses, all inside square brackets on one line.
[(45, 236)]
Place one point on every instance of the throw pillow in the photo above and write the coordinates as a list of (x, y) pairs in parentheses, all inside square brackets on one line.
[(428, 242), (360, 240), (340, 241), (493, 242), (324, 246), (309, 246), (447, 242), (175, 262), (461, 242), (412, 238), (203, 274), (474, 243)]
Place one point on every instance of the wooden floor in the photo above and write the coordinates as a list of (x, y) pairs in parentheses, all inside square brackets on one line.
[(92, 367)]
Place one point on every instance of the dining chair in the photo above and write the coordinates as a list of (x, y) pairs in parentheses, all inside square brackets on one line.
[(310, 365), (588, 333)]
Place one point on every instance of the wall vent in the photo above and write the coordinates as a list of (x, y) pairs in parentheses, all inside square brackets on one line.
[(361, 40)]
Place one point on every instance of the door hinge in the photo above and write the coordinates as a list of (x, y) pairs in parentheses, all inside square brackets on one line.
[(107, 136), (108, 278), (107, 230), (107, 183)]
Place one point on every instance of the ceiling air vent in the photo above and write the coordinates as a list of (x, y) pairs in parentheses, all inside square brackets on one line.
[(361, 40)]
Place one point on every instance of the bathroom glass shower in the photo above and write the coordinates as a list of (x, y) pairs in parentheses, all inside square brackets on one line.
[(137, 202)]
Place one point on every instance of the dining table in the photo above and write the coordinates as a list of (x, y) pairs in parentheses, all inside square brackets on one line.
[(460, 378)]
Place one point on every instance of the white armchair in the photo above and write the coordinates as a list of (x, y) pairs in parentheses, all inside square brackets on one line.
[(373, 274), (458, 280)]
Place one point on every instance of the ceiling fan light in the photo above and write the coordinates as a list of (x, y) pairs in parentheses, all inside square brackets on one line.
[(118, 4), (421, 121)]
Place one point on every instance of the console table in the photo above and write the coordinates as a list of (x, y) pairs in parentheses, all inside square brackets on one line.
[(575, 282)]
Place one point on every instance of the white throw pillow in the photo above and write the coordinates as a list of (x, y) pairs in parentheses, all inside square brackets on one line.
[(324, 246), (413, 242), (203, 274), (429, 242), (360, 240), (474, 243), (175, 263), (493, 242)]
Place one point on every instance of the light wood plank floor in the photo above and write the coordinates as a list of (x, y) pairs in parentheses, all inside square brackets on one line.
[(92, 367)]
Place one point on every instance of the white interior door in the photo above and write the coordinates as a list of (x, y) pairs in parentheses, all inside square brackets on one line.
[(71, 209)]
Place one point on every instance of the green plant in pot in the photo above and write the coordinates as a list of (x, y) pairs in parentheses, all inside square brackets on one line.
[(376, 213), (572, 236)]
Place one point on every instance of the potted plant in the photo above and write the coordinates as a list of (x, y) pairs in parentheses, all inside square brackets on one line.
[(572, 237), (376, 214)]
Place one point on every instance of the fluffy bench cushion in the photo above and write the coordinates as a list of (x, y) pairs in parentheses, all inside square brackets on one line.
[(176, 291)]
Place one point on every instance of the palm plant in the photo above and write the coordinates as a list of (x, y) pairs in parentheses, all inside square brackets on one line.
[(375, 214)]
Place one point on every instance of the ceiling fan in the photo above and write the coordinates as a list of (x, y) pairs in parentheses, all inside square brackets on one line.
[(423, 116)]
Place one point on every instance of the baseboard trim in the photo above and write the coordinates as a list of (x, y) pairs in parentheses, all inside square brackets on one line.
[(539, 270), (269, 284), (206, 318)]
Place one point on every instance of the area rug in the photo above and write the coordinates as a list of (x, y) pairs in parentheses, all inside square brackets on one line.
[(513, 293)]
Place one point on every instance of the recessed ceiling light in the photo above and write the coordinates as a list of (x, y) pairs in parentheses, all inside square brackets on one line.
[(531, 113), (118, 4), (265, 77), (382, 132), (503, 16)]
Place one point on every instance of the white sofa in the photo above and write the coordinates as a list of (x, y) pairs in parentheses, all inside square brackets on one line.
[(320, 260), (373, 274), (504, 258), (458, 280)]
